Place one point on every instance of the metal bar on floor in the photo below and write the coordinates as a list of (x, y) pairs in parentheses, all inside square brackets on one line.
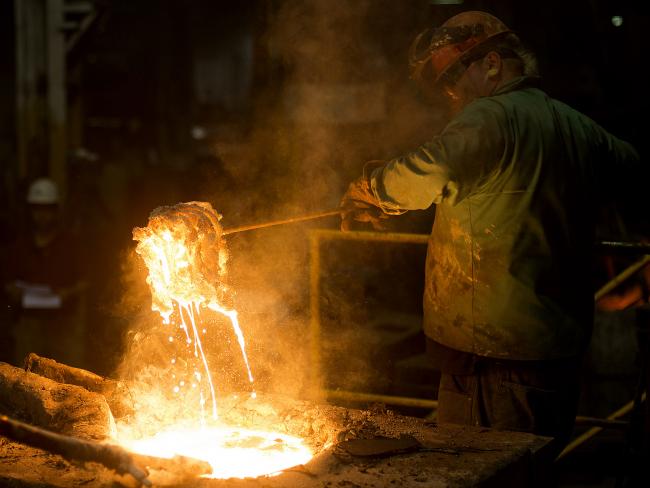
[(578, 441)]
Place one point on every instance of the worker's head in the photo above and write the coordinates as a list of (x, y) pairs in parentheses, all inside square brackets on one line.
[(469, 56), (43, 201)]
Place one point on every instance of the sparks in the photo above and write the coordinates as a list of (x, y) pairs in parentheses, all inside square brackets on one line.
[(186, 256)]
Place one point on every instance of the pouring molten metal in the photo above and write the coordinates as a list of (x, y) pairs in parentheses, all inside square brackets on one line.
[(186, 255)]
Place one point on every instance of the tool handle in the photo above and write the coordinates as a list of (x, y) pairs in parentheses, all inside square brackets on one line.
[(271, 223), (72, 448)]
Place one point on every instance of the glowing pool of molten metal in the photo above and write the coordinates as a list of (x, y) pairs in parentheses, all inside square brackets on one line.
[(232, 452)]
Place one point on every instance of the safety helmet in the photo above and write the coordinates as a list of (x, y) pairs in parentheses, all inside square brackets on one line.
[(444, 53), (43, 191)]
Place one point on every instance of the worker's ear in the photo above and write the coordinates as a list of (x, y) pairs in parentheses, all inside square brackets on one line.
[(492, 64)]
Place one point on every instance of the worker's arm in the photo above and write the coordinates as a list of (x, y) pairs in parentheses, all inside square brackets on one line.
[(447, 168), (631, 293)]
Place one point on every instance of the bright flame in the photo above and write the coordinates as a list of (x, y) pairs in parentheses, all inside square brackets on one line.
[(186, 255), (232, 452)]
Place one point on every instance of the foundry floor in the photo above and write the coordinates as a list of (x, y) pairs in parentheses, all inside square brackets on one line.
[(597, 464), (601, 463), (452, 456)]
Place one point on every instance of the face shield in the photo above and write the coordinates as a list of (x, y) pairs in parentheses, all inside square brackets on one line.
[(438, 57)]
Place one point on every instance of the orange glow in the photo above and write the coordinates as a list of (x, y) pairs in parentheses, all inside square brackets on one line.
[(232, 452), (186, 255)]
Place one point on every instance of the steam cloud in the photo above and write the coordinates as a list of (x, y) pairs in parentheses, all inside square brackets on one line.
[(342, 101)]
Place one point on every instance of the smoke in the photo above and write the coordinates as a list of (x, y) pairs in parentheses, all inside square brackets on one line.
[(342, 97)]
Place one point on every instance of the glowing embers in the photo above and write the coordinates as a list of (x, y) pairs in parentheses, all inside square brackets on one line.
[(232, 452)]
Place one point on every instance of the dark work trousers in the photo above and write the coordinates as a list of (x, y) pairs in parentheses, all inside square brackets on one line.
[(531, 396)]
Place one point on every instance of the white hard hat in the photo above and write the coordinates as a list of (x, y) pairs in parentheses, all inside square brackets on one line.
[(43, 191)]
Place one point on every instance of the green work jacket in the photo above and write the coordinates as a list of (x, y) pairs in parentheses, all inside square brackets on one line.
[(517, 178)]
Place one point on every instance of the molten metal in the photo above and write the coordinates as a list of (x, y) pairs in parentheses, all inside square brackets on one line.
[(186, 255), (232, 452)]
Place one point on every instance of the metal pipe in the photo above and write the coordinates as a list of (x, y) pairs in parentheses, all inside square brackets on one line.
[(353, 396), (604, 423), (621, 277), (578, 441), (359, 235), (319, 215), (623, 247)]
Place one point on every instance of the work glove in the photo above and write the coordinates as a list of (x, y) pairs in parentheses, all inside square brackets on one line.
[(359, 203)]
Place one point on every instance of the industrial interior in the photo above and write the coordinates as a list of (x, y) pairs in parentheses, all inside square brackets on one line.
[(181, 304)]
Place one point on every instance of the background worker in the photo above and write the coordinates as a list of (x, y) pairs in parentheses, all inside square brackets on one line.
[(517, 178), (43, 283)]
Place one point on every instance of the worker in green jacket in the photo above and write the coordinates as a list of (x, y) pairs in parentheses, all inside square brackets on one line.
[(516, 178)]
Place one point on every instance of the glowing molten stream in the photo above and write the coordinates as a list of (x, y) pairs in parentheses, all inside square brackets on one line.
[(186, 256), (232, 452)]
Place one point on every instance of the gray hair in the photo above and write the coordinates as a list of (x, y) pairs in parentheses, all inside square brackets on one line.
[(511, 44)]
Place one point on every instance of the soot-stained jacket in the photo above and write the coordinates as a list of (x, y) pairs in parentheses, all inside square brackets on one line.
[(517, 178)]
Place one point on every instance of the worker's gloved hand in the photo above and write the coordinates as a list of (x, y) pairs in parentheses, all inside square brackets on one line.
[(359, 204), (355, 211)]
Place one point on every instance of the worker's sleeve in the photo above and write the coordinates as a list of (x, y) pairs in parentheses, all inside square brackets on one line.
[(447, 168)]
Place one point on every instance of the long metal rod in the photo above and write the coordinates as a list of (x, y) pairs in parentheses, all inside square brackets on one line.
[(604, 423), (622, 247), (319, 215), (353, 396), (72, 448), (592, 432), (621, 277), (112, 456), (359, 235)]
